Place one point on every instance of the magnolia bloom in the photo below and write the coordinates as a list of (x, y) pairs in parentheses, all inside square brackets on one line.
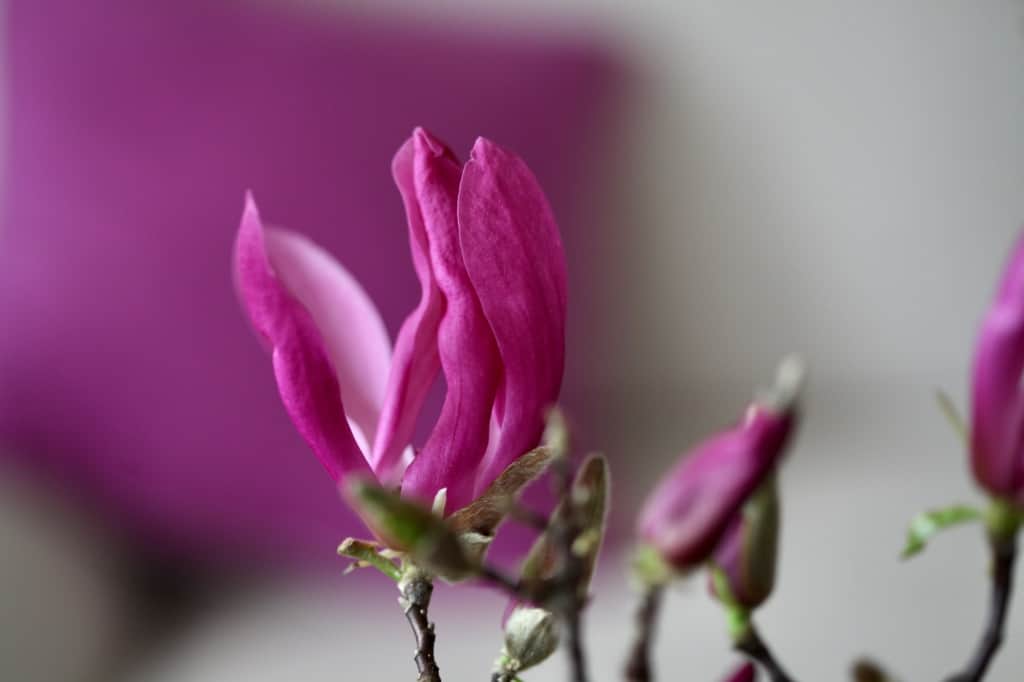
[(687, 514), (491, 317), (997, 420), (747, 552)]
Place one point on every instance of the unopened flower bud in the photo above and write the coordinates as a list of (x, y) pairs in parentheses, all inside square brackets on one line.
[(686, 516), (747, 553), (997, 396), (531, 635)]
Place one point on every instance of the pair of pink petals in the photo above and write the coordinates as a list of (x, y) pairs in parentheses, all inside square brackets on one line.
[(491, 317)]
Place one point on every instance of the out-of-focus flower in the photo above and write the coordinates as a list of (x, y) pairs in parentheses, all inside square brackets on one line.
[(997, 420), (745, 673), (491, 315), (687, 514), (746, 555)]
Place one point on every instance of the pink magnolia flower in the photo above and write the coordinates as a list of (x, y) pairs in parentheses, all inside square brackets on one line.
[(997, 422), (491, 317), (688, 513)]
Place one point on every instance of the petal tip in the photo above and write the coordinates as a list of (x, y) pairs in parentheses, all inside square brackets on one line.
[(428, 143), (1011, 287), (250, 213), (790, 380), (483, 148)]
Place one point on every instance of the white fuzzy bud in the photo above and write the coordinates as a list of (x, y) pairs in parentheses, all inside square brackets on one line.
[(531, 636)]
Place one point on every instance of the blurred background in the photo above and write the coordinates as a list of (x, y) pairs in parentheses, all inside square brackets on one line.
[(734, 181)]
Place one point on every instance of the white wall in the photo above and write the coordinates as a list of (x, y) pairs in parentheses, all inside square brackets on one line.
[(837, 177)]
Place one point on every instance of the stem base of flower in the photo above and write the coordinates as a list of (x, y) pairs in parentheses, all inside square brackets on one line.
[(417, 588)]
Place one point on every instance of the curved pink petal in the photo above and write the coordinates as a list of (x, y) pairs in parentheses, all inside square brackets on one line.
[(997, 405), (748, 550), (688, 513), (416, 362), (513, 254), (352, 331), (997, 398), (728, 556), (469, 356), (305, 378)]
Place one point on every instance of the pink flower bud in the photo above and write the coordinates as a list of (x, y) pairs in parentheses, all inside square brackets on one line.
[(997, 451), (687, 515), (747, 553)]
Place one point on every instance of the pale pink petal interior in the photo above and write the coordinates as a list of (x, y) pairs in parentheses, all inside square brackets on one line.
[(305, 379), (353, 333)]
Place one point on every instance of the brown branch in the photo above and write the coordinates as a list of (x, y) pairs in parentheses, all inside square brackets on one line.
[(638, 667), (753, 646), (416, 601), (565, 528), (1004, 554), (562, 592)]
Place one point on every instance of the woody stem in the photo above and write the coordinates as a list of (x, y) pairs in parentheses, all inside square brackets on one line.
[(415, 601), (638, 667), (753, 646), (1004, 555)]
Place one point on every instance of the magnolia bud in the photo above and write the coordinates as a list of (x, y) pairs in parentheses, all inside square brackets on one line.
[(747, 553), (997, 452), (531, 636), (687, 515)]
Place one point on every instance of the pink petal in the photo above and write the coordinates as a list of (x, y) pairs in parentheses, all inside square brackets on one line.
[(997, 400), (514, 256), (469, 357), (305, 378), (351, 328), (416, 361), (728, 556), (1011, 286), (997, 405)]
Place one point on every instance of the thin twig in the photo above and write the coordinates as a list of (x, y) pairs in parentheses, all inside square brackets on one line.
[(638, 667), (753, 646), (562, 592), (565, 528), (415, 601), (1004, 555), (866, 670), (577, 658)]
